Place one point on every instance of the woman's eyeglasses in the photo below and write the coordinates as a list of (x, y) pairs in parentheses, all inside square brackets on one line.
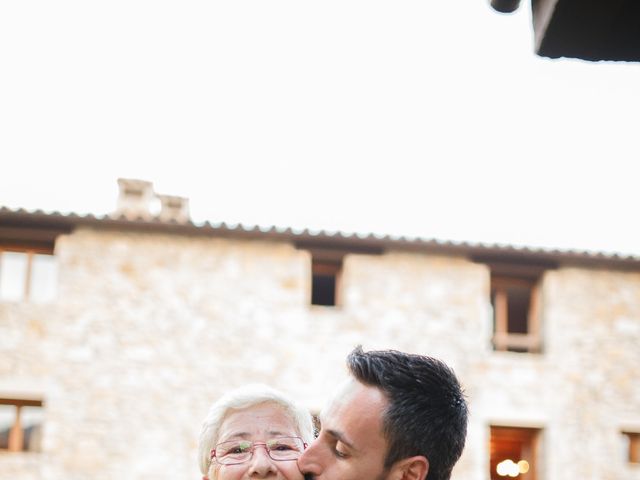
[(279, 449)]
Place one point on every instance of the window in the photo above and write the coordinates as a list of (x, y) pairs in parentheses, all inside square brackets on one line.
[(516, 299), (27, 275), (325, 281), (515, 313), (513, 453), (20, 424), (327, 269), (633, 450)]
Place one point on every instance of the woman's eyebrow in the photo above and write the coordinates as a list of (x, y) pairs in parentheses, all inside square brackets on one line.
[(235, 435), (244, 435)]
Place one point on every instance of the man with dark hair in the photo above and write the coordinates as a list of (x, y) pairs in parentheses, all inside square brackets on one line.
[(399, 417)]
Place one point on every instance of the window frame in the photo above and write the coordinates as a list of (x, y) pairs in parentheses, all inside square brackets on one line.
[(30, 252), (633, 452), (502, 338), (15, 442), (517, 268), (530, 439), (327, 268)]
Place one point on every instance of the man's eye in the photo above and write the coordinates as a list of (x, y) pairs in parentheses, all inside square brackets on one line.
[(339, 453)]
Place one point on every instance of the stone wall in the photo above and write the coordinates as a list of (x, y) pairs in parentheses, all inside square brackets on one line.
[(150, 328)]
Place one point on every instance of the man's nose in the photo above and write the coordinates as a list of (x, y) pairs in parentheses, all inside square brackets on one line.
[(307, 462)]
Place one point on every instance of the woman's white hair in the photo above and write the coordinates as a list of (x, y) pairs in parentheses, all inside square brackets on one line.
[(239, 399)]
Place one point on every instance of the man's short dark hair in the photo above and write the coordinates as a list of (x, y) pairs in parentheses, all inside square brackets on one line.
[(427, 412)]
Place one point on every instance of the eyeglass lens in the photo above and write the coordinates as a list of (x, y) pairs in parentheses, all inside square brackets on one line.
[(239, 451)]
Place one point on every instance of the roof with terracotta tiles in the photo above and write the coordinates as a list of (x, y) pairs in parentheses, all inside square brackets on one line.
[(38, 225)]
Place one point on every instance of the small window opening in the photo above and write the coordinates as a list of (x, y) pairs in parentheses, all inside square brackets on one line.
[(515, 314), (324, 282), (28, 275), (20, 425), (513, 453), (633, 446)]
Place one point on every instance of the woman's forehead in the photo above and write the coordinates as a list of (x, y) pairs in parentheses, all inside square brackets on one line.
[(263, 420)]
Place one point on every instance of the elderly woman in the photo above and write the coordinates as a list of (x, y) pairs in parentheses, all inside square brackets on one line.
[(253, 432)]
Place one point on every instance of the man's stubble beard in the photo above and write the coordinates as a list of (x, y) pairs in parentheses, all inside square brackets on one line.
[(382, 476)]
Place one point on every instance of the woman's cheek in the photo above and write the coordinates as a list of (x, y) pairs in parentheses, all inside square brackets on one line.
[(230, 472), (290, 470)]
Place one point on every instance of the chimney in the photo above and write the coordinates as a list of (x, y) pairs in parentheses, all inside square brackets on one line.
[(174, 208), (135, 199)]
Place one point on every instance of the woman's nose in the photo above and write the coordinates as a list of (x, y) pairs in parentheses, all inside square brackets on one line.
[(261, 463)]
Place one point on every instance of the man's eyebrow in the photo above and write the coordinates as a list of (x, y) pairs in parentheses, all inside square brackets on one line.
[(340, 437)]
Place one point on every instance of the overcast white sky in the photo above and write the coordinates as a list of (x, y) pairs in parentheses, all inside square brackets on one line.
[(429, 118)]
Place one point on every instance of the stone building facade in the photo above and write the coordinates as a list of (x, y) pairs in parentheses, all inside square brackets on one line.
[(153, 319)]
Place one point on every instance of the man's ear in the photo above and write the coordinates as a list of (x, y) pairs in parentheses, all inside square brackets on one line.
[(412, 468)]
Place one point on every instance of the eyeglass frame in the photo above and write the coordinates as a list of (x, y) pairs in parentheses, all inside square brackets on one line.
[(214, 458)]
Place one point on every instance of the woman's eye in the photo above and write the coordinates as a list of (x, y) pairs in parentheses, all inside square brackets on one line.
[(237, 450), (282, 448)]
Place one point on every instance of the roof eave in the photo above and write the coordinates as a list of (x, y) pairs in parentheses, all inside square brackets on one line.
[(50, 224)]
